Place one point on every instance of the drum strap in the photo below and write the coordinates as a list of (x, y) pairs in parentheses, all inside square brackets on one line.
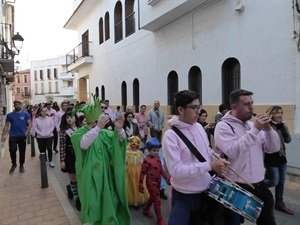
[(192, 148)]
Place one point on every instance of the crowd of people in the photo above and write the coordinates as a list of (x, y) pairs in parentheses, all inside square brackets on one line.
[(113, 165)]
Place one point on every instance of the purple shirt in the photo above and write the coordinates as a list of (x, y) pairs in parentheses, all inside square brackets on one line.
[(43, 127), (245, 147)]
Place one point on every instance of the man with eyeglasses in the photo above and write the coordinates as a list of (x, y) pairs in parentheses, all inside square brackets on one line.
[(190, 178), (156, 121)]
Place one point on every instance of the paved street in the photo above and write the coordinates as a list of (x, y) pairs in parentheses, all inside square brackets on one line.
[(23, 201)]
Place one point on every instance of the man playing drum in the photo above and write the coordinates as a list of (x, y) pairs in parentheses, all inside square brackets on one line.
[(190, 178)]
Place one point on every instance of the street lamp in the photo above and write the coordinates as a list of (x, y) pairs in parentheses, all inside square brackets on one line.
[(18, 42)]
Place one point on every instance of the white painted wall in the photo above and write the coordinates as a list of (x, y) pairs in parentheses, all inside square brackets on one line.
[(261, 37)]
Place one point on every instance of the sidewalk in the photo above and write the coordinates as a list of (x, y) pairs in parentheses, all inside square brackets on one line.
[(23, 201)]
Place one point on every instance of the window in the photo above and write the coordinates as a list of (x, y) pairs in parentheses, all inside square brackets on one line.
[(55, 73), (25, 79), (118, 22), (129, 17), (195, 81), (36, 88), (18, 90), (85, 44), (100, 31), (42, 88), (172, 89), (124, 95), (136, 94), (48, 74), (49, 87), (56, 87), (231, 78), (107, 32), (41, 75), (26, 92), (35, 75), (18, 79)]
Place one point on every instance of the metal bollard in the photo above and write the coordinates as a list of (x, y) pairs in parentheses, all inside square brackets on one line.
[(28, 139), (32, 145), (44, 176)]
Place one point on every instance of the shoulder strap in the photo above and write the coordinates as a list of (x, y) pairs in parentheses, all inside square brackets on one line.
[(230, 126), (192, 148)]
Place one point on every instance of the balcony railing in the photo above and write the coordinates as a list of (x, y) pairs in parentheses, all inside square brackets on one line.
[(25, 94), (65, 90), (66, 76), (80, 51)]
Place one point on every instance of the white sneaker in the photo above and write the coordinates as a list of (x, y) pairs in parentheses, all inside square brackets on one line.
[(51, 164)]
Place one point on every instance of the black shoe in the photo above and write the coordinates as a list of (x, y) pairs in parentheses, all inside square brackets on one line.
[(78, 204), (33, 155), (22, 170), (162, 194), (70, 193), (12, 169), (56, 151)]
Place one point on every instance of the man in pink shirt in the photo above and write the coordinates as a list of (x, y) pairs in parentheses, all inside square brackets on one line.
[(244, 143), (190, 178)]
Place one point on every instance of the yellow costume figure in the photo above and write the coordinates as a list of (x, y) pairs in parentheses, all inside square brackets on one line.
[(134, 159)]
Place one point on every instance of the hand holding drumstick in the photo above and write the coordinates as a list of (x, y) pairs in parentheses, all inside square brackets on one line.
[(229, 167), (220, 166)]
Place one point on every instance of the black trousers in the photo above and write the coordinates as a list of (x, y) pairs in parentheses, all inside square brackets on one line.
[(46, 144), (55, 139), (15, 143), (156, 134), (266, 216)]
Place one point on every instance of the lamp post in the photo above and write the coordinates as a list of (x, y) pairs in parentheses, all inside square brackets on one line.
[(6, 51), (18, 42)]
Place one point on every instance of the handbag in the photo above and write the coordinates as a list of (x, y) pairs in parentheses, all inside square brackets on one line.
[(142, 133), (213, 212)]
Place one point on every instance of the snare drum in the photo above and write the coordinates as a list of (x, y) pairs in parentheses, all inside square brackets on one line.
[(235, 198)]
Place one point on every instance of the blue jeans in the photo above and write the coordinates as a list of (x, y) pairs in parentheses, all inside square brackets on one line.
[(276, 178), (186, 209)]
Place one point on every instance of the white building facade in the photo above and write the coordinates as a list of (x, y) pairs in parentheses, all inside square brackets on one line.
[(133, 52), (51, 81)]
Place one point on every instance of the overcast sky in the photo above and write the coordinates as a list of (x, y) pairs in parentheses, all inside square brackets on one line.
[(41, 22)]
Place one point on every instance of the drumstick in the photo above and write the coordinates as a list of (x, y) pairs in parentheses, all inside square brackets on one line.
[(229, 167)]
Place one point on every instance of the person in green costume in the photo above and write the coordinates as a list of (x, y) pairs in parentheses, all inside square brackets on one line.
[(100, 168)]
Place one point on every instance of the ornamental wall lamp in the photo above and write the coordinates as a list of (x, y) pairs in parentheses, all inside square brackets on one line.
[(16, 45)]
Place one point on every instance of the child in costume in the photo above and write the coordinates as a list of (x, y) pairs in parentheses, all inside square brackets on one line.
[(100, 168), (152, 169), (134, 159), (163, 183), (69, 124)]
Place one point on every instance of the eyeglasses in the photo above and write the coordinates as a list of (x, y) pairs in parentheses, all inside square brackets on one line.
[(193, 107), (154, 150)]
